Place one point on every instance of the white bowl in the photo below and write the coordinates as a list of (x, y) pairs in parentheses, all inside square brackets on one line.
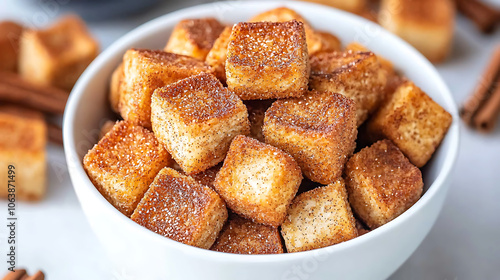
[(141, 254)]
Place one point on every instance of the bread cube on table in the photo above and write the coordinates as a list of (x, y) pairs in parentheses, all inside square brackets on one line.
[(428, 25), (58, 55), (242, 236), (23, 137), (319, 218), (178, 207), (258, 181), (413, 121), (194, 37), (124, 163), (381, 183), (146, 70), (10, 33), (267, 60), (283, 14), (357, 75), (216, 57), (317, 129), (196, 119)]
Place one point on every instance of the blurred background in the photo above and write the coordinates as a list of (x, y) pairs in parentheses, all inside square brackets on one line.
[(55, 237)]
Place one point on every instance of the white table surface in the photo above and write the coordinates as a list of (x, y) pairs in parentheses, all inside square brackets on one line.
[(55, 236)]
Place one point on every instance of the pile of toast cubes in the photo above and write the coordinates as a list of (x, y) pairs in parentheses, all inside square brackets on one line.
[(241, 138), (36, 64)]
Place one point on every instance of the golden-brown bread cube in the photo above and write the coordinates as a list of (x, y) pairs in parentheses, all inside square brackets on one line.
[(23, 137), (256, 113), (426, 24), (413, 121), (194, 37), (114, 87), (267, 60), (258, 181), (58, 55), (124, 163), (318, 130), (196, 119), (384, 63), (381, 183), (353, 6), (242, 236), (10, 33), (319, 218), (207, 177), (178, 207), (329, 42), (216, 57), (146, 70), (283, 14), (356, 75)]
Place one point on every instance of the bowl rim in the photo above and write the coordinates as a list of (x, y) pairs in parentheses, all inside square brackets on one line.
[(76, 170)]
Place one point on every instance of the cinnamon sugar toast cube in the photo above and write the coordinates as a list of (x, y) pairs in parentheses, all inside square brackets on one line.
[(23, 137), (283, 14), (146, 70), (356, 75), (329, 42), (384, 63), (194, 37), (216, 57), (115, 87), (207, 177), (124, 163), (258, 181), (196, 119), (428, 25), (242, 236), (413, 121), (58, 55), (353, 6), (319, 218), (267, 60), (256, 113), (10, 33), (381, 183), (178, 207), (317, 129)]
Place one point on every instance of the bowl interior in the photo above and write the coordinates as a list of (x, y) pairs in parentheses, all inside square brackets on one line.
[(88, 105)]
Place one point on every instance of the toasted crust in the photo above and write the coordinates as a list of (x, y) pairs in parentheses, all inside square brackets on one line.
[(124, 163), (267, 60), (356, 75), (178, 207), (329, 42), (114, 87), (384, 63), (196, 119), (426, 24), (58, 55), (242, 236), (10, 33), (216, 57), (283, 14), (258, 181), (317, 129), (319, 218), (207, 177), (256, 113), (146, 70), (413, 121), (382, 183), (194, 37), (23, 137)]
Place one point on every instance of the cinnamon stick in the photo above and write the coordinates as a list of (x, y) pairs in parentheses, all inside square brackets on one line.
[(15, 275), (487, 117), (37, 276), (14, 89), (482, 91), (484, 16)]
